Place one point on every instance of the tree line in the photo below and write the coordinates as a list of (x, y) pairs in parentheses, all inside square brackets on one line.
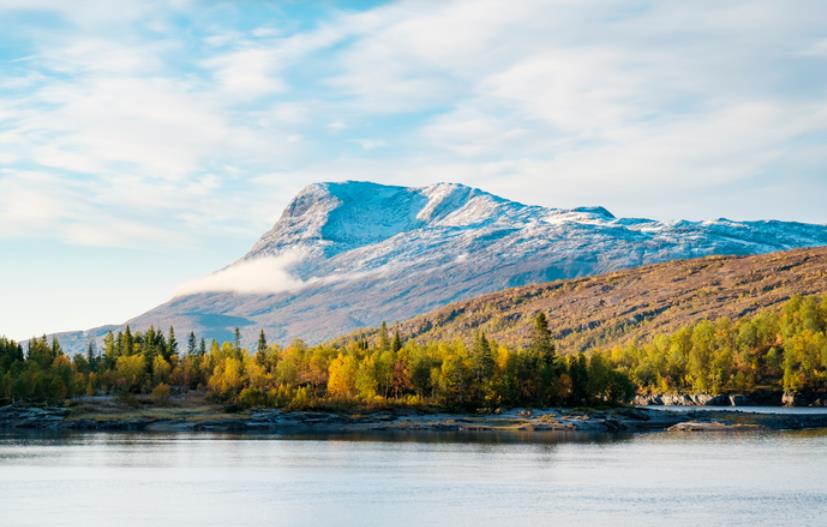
[(380, 370), (775, 349)]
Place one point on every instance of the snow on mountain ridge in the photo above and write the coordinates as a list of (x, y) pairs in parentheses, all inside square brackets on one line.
[(353, 227), (343, 216)]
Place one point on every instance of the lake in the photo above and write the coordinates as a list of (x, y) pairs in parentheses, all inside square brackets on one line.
[(485, 479)]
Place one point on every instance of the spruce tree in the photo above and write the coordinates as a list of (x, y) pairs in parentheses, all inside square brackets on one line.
[(92, 356), (110, 352), (541, 341), (172, 345), (482, 358), (191, 344), (261, 349), (202, 347), (56, 349), (396, 343), (128, 342)]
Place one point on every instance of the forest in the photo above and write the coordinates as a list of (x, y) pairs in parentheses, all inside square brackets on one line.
[(775, 349), (782, 349), (378, 372)]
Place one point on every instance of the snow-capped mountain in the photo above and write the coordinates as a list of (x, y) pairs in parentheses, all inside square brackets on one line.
[(348, 255)]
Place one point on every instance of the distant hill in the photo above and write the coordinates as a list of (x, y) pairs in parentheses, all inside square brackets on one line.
[(631, 304), (349, 255)]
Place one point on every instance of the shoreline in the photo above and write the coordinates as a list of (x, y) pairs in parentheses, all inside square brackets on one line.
[(211, 418)]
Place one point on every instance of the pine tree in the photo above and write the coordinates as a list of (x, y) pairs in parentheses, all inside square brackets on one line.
[(191, 344), (172, 345), (237, 339), (56, 349), (261, 349), (482, 366), (541, 341), (92, 356), (202, 347), (396, 343), (109, 350), (127, 347)]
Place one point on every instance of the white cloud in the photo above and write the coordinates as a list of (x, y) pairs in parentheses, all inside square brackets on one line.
[(248, 73), (270, 274)]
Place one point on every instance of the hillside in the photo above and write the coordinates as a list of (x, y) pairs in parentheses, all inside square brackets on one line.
[(349, 255), (631, 304)]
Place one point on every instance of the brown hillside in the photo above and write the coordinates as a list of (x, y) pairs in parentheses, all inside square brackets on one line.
[(632, 304)]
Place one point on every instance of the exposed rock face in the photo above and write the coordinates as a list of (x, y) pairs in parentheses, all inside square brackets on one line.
[(806, 398), (669, 399), (352, 254), (760, 398)]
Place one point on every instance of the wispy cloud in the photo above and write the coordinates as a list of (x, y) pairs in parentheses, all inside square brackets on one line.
[(184, 127), (154, 117), (271, 274)]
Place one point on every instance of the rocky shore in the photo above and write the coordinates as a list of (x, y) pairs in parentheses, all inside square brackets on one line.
[(187, 419), (759, 398)]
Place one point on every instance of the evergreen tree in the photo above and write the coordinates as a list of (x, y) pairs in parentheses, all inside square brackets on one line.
[(579, 374), (56, 349), (171, 349), (541, 341), (237, 340), (92, 356), (482, 367), (202, 347), (109, 351), (396, 343), (128, 342), (191, 344), (261, 349), (482, 359)]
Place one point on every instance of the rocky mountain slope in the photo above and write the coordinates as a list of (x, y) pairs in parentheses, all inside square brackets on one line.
[(631, 304), (349, 255)]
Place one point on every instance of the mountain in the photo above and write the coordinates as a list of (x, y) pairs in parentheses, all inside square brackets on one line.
[(631, 304), (349, 255)]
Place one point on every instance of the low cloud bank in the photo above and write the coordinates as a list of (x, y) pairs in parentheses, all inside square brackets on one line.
[(269, 274)]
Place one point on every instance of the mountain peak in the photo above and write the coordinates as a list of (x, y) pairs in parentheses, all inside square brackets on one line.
[(596, 210), (338, 216)]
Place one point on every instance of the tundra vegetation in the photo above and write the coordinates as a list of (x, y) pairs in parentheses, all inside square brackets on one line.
[(782, 349)]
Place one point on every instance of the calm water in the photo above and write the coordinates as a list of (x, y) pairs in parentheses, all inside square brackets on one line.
[(202, 480)]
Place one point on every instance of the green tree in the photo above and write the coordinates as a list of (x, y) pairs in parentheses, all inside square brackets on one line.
[(396, 343), (261, 349), (541, 341), (171, 349), (482, 367)]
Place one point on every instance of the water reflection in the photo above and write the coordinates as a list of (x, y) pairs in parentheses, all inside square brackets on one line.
[(449, 478)]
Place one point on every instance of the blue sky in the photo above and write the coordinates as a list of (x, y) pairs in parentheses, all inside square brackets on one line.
[(146, 143)]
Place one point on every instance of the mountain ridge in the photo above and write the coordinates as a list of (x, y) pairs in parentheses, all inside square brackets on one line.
[(351, 254), (631, 304)]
